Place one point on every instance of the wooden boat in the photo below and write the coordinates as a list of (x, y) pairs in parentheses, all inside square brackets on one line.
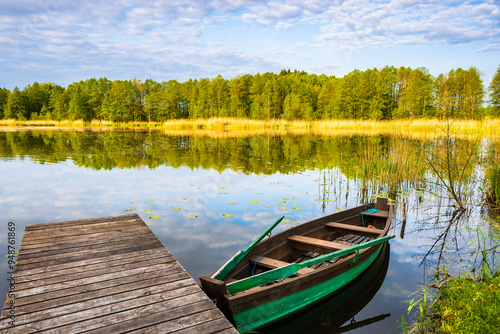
[(279, 276)]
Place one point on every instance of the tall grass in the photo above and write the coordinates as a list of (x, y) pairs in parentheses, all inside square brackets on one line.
[(493, 187), (419, 128)]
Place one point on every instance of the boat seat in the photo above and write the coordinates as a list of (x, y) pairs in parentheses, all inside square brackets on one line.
[(315, 245), (353, 228), (378, 214), (274, 264)]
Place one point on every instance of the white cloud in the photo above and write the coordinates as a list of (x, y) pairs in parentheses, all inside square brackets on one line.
[(283, 26), (172, 35)]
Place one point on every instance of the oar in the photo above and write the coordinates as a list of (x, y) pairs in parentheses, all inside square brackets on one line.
[(292, 268), (226, 268)]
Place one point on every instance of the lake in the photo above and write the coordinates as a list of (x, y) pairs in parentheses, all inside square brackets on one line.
[(206, 197)]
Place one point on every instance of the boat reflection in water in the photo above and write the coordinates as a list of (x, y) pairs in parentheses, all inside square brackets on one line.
[(329, 315)]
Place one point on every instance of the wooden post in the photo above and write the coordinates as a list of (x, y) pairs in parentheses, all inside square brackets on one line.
[(217, 291)]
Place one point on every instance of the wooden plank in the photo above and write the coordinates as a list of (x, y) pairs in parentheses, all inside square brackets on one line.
[(82, 268), (315, 245), (379, 214), (88, 263), (160, 292), (105, 275), (69, 275), (95, 290), (273, 264), (353, 228), (219, 326), (83, 257), (132, 218)]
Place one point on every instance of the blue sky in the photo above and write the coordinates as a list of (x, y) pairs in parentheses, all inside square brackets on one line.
[(63, 41)]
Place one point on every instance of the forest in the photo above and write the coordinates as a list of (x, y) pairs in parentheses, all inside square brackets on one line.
[(374, 94)]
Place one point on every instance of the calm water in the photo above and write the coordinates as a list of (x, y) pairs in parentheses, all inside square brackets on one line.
[(214, 195)]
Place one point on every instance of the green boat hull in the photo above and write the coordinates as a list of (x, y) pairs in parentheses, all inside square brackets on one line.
[(277, 309)]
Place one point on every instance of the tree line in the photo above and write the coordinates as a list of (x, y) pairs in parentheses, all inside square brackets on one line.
[(376, 94)]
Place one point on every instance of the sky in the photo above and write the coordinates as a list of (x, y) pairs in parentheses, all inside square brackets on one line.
[(63, 41)]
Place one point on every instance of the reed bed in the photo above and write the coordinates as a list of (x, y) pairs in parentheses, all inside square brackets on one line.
[(418, 129)]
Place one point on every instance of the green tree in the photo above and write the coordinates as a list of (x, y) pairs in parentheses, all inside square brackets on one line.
[(495, 94), (4, 97), (416, 99), (58, 103), (16, 106)]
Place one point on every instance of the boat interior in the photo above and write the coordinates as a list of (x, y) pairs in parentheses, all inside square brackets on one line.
[(323, 236)]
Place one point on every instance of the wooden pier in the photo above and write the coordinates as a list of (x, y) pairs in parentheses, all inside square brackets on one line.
[(104, 275)]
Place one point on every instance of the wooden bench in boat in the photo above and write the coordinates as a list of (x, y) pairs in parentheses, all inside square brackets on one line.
[(353, 228), (315, 245), (274, 264), (379, 214)]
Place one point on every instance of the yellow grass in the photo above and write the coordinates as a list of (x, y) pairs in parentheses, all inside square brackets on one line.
[(420, 128)]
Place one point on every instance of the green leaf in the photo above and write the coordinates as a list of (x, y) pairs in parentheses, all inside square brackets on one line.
[(297, 209), (149, 200), (256, 201), (227, 215), (155, 217), (191, 216), (131, 209), (283, 209), (176, 208), (148, 211)]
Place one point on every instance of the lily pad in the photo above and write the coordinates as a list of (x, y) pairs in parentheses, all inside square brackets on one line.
[(227, 215), (221, 194), (191, 216), (248, 189), (281, 203), (267, 206), (259, 193), (133, 202), (296, 203), (232, 203), (131, 209), (288, 198), (176, 208), (308, 207), (339, 209), (283, 209), (285, 221), (297, 209), (256, 201), (149, 200), (155, 217), (148, 211)]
